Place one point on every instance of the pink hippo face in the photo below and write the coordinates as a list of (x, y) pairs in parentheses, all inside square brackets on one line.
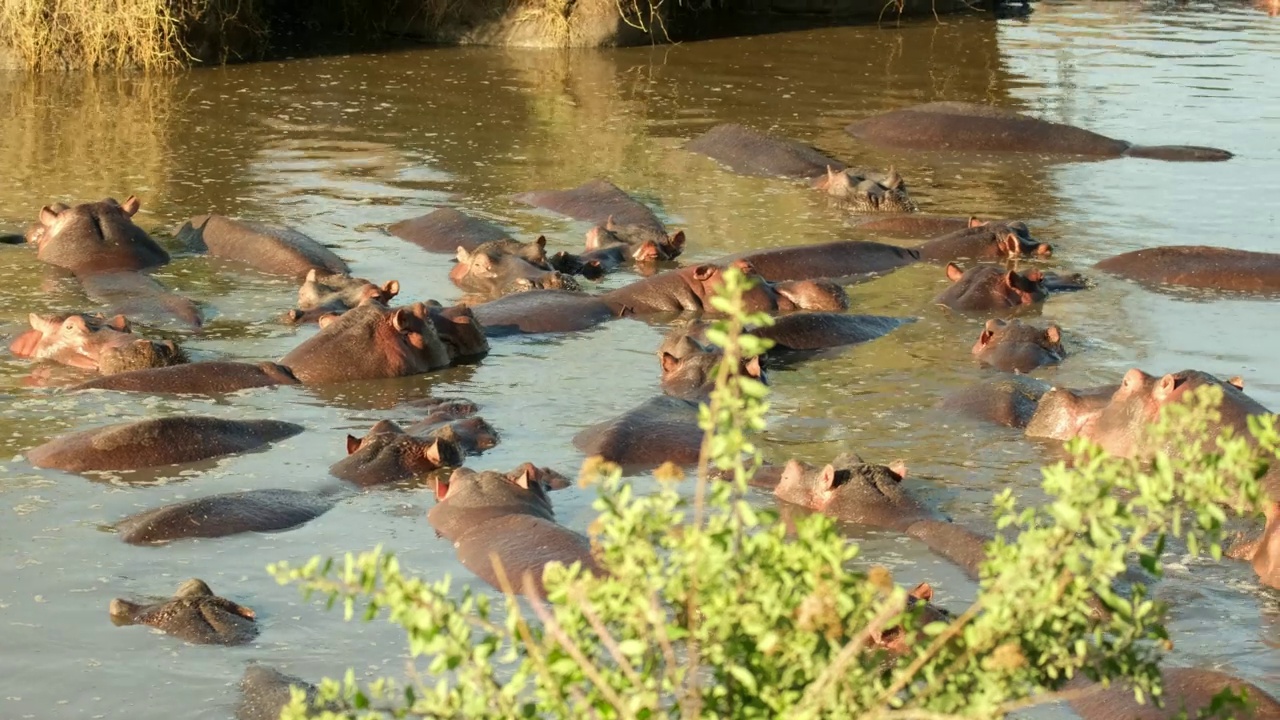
[(370, 342), (83, 340)]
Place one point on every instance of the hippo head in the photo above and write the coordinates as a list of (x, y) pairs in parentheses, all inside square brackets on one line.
[(692, 376), (193, 614), (1266, 560), (444, 409), (496, 266), (988, 287), (896, 640), (554, 280), (459, 331), (95, 237), (469, 433), (387, 454), (867, 192), (685, 340), (1016, 347), (141, 354), (341, 292), (822, 295), (79, 340), (848, 480), (644, 243), (468, 498), (1011, 239), (1121, 425), (370, 342)]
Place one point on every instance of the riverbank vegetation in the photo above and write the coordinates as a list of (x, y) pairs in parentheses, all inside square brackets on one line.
[(715, 608)]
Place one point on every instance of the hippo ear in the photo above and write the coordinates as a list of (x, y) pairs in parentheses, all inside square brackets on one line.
[(831, 174), (76, 322), (609, 225), (669, 363), (985, 337), (954, 272), (593, 239), (827, 477), (676, 241), (131, 205), (525, 476), (704, 272), (1167, 386), (899, 468), (1009, 245), (353, 444), (894, 181), (463, 256), (541, 242), (48, 215), (1237, 382), (1053, 334), (753, 368), (311, 276), (326, 320), (400, 320), (923, 591), (391, 288), (432, 453), (975, 222), (38, 322), (121, 323)]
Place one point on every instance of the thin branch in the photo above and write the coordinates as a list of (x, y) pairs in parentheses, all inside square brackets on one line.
[(846, 655), (605, 638)]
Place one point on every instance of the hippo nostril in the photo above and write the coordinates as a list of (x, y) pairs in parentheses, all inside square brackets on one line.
[(1044, 249)]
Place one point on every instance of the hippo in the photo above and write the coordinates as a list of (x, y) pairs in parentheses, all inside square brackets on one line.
[(141, 355), (79, 340), (336, 293), (914, 225), (444, 230), (462, 334), (843, 260), (157, 442), (95, 238), (851, 490), (612, 246), (1062, 413), (193, 614), (488, 513), (543, 311), (596, 201), (1188, 689), (1199, 266), (504, 266), (201, 378), (984, 241), (373, 341), (215, 516), (472, 434), (971, 127), (1009, 400), (691, 376), (265, 691), (795, 336), (443, 409), (751, 152), (991, 287), (387, 454), (265, 248), (1015, 347), (689, 289), (140, 297), (1120, 426)]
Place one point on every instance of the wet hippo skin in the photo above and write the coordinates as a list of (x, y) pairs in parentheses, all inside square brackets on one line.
[(193, 614), (337, 293), (444, 230), (98, 237), (795, 335), (505, 266), (226, 514), (1191, 689), (991, 287), (1009, 400), (958, 126), (510, 516), (1199, 266), (79, 340), (264, 692), (201, 378), (1016, 347), (265, 248), (596, 201), (751, 152), (689, 289), (542, 311), (140, 297), (387, 454), (157, 442)]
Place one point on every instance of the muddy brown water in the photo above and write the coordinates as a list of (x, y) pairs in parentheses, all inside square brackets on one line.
[(341, 146)]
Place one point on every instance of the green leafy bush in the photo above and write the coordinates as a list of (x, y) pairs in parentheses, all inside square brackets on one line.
[(715, 609)]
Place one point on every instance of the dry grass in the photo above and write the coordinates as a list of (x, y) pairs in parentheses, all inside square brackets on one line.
[(147, 34)]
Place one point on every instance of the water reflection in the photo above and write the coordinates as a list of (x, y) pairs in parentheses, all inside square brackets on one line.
[(342, 146)]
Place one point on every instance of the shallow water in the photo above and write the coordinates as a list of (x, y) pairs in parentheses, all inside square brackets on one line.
[(339, 147)]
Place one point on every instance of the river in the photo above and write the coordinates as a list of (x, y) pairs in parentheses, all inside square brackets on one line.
[(341, 146)]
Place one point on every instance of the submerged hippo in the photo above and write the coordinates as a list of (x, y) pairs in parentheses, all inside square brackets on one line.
[(751, 152), (265, 691), (1009, 400), (140, 297), (201, 378), (957, 126), (995, 240), (795, 336), (80, 340), (851, 490), (95, 238), (915, 225), (543, 311), (487, 514), (611, 246), (265, 248), (991, 287), (141, 355), (472, 434), (387, 454), (444, 230), (337, 293), (1062, 413), (373, 341), (1199, 266), (597, 201), (844, 260), (215, 516), (690, 289), (506, 266), (193, 614), (1185, 689), (157, 442), (1014, 347)]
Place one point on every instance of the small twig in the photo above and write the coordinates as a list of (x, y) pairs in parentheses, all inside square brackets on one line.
[(605, 638), (526, 635), (852, 649)]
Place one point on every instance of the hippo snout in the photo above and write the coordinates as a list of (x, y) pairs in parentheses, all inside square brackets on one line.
[(1044, 249)]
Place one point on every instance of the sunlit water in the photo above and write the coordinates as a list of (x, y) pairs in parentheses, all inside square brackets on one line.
[(339, 147)]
